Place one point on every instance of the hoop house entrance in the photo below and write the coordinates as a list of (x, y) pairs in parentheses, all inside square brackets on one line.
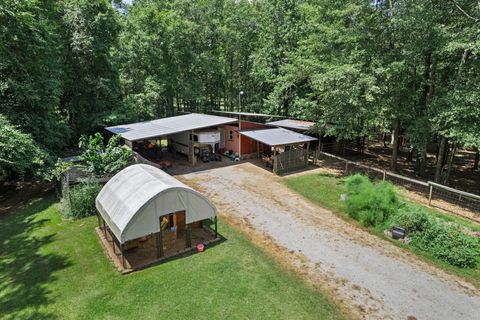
[(146, 215)]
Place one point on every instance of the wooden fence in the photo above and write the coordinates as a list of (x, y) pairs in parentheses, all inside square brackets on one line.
[(430, 190)]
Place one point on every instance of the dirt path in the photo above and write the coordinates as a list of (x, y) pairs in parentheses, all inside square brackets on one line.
[(372, 278)]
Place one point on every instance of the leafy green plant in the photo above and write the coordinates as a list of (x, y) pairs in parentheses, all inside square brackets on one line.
[(100, 158), (81, 202), (368, 203), (19, 154), (448, 243), (413, 218), (445, 241)]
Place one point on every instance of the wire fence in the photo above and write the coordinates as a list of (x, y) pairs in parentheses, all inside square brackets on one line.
[(290, 160), (428, 190)]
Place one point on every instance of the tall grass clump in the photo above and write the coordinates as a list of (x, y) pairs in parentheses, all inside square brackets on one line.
[(370, 204)]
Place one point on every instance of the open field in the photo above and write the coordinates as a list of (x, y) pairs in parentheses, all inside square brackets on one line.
[(56, 269), (374, 278)]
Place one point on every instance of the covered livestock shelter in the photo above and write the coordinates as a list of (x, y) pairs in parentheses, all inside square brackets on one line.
[(183, 133), (146, 215), (284, 150)]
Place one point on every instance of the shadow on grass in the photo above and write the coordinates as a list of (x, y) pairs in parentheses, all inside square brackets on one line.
[(24, 270)]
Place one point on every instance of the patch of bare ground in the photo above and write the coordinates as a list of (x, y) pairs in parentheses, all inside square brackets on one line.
[(16, 196), (371, 277)]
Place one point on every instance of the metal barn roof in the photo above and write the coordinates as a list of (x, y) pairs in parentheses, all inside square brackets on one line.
[(132, 202), (167, 126), (293, 124), (248, 114), (277, 136)]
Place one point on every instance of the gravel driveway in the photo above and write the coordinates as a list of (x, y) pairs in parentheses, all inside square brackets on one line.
[(371, 277)]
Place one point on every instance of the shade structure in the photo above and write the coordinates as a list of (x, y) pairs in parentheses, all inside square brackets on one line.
[(132, 202), (277, 136), (293, 124), (167, 126)]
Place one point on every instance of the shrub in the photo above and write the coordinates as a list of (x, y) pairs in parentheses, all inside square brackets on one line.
[(413, 218), (444, 241), (368, 203), (449, 244), (82, 200)]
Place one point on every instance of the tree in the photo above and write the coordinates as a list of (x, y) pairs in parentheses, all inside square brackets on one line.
[(19, 154), (30, 69), (100, 158), (91, 80)]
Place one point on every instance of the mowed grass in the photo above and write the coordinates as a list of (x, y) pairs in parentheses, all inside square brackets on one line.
[(325, 189), (56, 269)]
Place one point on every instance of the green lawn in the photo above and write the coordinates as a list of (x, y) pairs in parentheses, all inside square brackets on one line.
[(51, 268), (325, 190)]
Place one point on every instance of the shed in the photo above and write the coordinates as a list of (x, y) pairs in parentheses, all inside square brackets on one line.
[(142, 203), (290, 148), (277, 136)]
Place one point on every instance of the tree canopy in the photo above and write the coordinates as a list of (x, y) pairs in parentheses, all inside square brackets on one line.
[(356, 67)]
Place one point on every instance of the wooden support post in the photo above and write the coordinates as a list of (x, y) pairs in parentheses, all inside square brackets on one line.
[(113, 242), (188, 240), (175, 234), (258, 150), (122, 250), (239, 137), (104, 229), (430, 195), (308, 153), (192, 149), (274, 159), (216, 232), (99, 220), (346, 167), (384, 175)]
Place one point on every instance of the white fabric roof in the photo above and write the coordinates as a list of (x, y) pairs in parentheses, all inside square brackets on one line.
[(132, 202), (277, 136), (167, 126), (293, 124)]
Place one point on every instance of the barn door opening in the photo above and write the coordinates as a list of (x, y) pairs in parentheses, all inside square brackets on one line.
[(173, 232)]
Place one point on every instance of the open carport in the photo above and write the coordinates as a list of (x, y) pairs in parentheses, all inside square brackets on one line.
[(283, 150), (184, 134)]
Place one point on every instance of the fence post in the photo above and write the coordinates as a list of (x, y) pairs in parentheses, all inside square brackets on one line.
[(346, 167), (430, 194), (384, 174)]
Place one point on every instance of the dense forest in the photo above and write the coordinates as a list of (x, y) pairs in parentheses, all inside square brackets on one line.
[(356, 67)]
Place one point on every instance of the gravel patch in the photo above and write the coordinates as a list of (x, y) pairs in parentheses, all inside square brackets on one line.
[(373, 278)]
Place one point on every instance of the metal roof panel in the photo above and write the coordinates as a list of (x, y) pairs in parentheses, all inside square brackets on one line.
[(277, 136), (168, 126)]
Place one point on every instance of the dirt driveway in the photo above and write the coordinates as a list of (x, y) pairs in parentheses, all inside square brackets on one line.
[(371, 277)]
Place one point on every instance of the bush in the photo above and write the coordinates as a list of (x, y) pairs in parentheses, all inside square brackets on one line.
[(413, 218), (449, 244), (368, 203), (444, 241), (82, 200)]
